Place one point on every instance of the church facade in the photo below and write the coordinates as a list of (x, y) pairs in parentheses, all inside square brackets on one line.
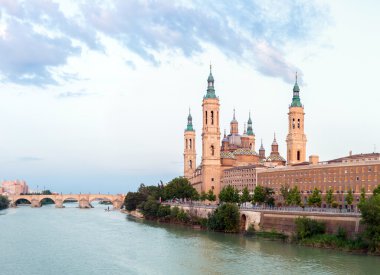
[(236, 150)]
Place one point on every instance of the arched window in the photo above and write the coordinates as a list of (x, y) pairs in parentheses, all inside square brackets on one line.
[(293, 124), (212, 117), (191, 144), (190, 163), (187, 146), (299, 124), (206, 117), (212, 150), (298, 155)]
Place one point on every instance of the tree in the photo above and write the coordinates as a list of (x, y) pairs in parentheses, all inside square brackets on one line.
[(263, 195), (329, 197), (376, 191), (259, 194), (349, 197), (4, 202), (210, 195), (315, 198), (47, 192), (285, 190), (133, 199), (180, 188), (203, 196), (294, 197), (229, 194), (370, 210), (245, 197), (362, 196), (225, 218)]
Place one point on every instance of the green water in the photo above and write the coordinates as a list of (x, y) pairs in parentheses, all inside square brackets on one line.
[(93, 241)]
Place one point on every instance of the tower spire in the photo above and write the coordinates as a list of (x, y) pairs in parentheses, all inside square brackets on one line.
[(249, 128), (189, 122), (210, 85), (296, 101)]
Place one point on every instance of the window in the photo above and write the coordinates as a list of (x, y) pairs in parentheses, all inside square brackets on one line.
[(187, 146), (191, 144), (212, 150), (299, 124), (206, 117), (212, 117), (293, 124), (298, 155), (190, 163)]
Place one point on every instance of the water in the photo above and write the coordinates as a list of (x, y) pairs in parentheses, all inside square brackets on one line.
[(93, 241)]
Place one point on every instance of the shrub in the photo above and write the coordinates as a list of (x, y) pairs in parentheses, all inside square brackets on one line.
[(341, 233), (174, 212), (149, 208), (4, 202), (306, 228), (163, 211), (225, 218), (182, 216)]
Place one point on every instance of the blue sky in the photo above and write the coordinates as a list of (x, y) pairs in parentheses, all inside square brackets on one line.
[(94, 94)]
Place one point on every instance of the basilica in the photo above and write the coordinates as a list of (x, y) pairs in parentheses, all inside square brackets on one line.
[(237, 150)]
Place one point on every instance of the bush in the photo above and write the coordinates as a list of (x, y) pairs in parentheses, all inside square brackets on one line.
[(225, 218), (4, 202), (306, 228), (174, 212), (149, 208), (163, 211), (182, 216), (341, 233), (133, 199)]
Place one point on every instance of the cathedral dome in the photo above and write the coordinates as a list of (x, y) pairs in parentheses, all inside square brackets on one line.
[(245, 151), (227, 155)]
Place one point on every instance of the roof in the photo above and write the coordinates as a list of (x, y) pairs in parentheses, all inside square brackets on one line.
[(227, 155), (367, 156), (245, 151)]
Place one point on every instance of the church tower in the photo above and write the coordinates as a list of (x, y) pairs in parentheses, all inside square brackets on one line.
[(210, 139), (250, 133), (189, 153), (296, 139)]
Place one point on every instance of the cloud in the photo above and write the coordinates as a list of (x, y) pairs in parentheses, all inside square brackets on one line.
[(30, 158), (73, 94), (251, 32)]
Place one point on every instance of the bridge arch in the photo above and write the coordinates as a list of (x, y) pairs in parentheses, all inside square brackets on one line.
[(243, 223), (14, 202)]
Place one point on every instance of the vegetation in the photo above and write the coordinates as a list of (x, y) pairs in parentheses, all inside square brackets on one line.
[(294, 197), (330, 197), (225, 218), (306, 228), (349, 198), (370, 210), (180, 188), (229, 194), (315, 199), (362, 196), (263, 195), (4, 202), (245, 196), (203, 196), (211, 196)]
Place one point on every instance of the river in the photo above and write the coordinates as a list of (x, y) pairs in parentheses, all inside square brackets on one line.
[(92, 241)]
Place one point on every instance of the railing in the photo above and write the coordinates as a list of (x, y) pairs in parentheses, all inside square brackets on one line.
[(348, 212)]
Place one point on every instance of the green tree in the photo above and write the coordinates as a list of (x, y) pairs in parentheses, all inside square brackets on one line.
[(180, 188), (225, 218), (329, 197), (133, 199), (315, 198), (245, 196), (203, 196), (370, 210), (376, 191), (210, 195), (349, 197), (4, 202), (362, 196), (150, 207), (46, 192), (285, 190), (294, 197), (229, 194), (259, 194), (306, 228)]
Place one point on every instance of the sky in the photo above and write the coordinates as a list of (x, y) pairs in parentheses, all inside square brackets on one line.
[(94, 95)]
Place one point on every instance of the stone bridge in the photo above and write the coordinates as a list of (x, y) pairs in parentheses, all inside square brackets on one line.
[(84, 200)]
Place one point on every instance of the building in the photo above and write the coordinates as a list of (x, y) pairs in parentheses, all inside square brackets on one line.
[(235, 150), (354, 172), (14, 187), (234, 161)]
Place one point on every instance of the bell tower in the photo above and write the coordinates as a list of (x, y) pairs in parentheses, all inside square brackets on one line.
[(296, 139), (189, 153), (210, 139)]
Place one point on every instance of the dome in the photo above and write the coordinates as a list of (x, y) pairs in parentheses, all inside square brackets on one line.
[(227, 155), (275, 158), (234, 139)]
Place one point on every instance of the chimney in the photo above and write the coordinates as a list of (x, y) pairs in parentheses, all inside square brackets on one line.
[(313, 159)]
